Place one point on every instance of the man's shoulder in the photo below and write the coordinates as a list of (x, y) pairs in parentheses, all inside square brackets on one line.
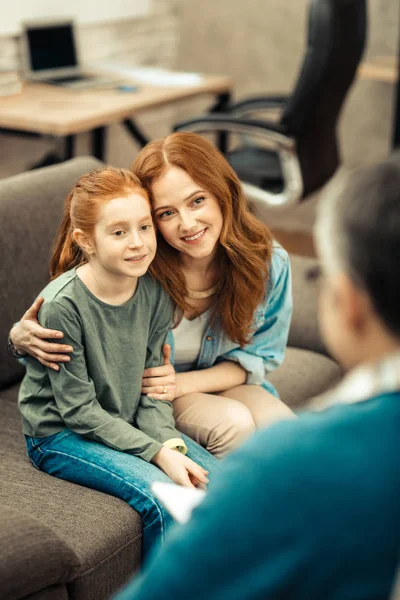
[(311, 478), (328, 448)]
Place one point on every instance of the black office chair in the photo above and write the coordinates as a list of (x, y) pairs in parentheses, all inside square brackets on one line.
[(303, 149)]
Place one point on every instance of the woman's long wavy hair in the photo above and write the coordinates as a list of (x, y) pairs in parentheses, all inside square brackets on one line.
[(245, 243), (81, 210)]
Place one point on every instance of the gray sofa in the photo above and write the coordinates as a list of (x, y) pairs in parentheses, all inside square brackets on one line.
[(59, 540)]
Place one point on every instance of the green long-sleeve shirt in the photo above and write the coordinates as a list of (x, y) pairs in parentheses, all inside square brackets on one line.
[(98, 393)]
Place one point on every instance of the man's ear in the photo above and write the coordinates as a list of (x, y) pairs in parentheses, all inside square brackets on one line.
[(83, 241), (354, 303)]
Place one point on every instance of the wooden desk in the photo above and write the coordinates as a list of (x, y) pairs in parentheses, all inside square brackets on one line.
[(45, 109), (386, 70)]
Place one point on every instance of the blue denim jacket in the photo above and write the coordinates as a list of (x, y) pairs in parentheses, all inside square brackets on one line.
[(272, 318)]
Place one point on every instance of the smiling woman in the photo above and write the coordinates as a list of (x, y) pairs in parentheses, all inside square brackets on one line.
[(231, 287), (230, 284), (192, 222)]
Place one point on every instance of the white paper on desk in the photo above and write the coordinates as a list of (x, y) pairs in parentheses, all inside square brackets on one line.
[(178, 500), (151, 75)]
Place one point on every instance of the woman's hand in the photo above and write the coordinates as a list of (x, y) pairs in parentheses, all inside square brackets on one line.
[(160, 382), (29, 337), (181, 469)]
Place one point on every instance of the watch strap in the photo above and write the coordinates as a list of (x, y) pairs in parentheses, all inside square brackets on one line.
[(12, 349)]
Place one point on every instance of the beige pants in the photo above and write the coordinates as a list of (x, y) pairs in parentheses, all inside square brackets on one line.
[(221, 422)]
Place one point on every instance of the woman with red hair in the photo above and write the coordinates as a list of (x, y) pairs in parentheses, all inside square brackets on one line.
[(231, 288)]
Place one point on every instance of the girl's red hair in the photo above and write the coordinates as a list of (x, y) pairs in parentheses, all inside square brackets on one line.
[(81, 210), (245, 243)]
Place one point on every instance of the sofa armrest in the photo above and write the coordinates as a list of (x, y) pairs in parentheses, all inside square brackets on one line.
[(304, 330), (32, 556)]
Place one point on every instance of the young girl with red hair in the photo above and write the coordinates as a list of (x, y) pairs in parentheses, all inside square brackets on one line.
[(231, 287), (89, 422)]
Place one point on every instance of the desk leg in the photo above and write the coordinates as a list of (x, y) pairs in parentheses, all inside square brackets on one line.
[(69, 147), (223, 101), (99, 142), (396, 109), (136, 133)]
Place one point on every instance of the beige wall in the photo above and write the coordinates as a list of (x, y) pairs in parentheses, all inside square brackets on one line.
[(261, 42)]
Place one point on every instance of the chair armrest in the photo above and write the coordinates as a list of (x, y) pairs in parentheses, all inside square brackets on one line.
[(274, 133), (32, 556), (259, 103)]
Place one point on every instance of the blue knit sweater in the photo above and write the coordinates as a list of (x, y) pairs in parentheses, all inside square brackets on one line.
[(306, 510)]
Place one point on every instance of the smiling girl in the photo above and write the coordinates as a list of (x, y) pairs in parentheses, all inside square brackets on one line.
[(88, 422)]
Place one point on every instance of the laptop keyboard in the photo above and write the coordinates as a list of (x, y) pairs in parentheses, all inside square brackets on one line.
[(70, 79)]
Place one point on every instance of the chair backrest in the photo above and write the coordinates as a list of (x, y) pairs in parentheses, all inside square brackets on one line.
[(336, 40), (31, 207)]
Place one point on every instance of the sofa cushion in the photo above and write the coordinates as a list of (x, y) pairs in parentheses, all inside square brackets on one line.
[(30, 214), (303, 375), (304, 330), (32, 556), (55, 592), (103, 532)]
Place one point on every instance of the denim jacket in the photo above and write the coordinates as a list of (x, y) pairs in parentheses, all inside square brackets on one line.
[(266, 349)]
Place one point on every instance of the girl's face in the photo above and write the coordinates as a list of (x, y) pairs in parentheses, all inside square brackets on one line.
[(188, 216), (124, 241)]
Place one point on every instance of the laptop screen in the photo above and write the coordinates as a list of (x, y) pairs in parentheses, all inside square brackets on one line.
[(52, 47)]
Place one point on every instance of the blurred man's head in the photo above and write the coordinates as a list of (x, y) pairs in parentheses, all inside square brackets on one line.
[(358, 242)]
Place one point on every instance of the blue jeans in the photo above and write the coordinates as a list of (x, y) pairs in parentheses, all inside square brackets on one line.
[(72, 457)]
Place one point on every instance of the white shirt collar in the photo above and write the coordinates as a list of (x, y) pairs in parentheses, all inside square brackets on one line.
[(364, 382)]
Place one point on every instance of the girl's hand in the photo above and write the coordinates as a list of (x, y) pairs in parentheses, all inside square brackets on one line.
[(160, 382), (181, 469), (29, 337)]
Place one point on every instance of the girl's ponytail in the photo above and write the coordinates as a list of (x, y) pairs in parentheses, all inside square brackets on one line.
[(66, 254)]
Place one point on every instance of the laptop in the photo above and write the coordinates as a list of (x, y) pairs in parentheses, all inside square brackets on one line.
[(50, 54)]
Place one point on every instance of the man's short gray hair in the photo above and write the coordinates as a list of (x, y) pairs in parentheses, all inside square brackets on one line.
[(358, 232)]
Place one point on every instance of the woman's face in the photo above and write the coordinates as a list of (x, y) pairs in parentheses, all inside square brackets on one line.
[(187, 215)]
